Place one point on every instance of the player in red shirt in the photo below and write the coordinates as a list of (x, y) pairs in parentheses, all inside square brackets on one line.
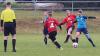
[(69, 21), (51, 24)]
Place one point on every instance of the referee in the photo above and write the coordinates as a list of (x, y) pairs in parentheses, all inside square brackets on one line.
[(8, 23)]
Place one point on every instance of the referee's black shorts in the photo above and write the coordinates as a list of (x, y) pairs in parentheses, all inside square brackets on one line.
[(9, 28), (52, 35)]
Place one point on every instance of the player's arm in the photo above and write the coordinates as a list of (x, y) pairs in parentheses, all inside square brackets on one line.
[(14, 21), (2, 19), (60, 27), (1, 23), (14, 18), (44, 19), (45, 24), (57, 23), (91, 17), (75, 21), (85, 17), (63, 22)]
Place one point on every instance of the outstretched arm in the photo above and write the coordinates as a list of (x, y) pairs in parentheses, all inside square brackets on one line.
[(63, 22), (1, 23), (60, 27)]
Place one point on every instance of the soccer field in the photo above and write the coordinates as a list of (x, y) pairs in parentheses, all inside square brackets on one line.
[(29, 44), (30, 38)]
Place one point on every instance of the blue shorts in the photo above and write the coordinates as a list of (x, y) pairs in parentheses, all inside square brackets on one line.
[(84, 30), (45, 31), (9, 28)]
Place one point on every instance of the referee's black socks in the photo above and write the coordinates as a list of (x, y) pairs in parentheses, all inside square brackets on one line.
[(14, 44), (5, 45)]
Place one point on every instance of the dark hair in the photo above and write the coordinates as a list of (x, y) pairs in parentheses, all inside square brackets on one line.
[(8, 3), (80, 11), (50, 13)]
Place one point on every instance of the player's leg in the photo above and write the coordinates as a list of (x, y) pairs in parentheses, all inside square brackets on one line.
[(45, 32), (6, 34), (52, 36), (88, 37), (45, 39), (13, 33), (5, 43), (73, 40), (78, 32), (68, 35), (69, 32), (77, 36), (14, 42)]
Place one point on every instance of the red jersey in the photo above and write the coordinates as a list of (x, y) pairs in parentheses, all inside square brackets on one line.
[(69, 20), (51, 24)]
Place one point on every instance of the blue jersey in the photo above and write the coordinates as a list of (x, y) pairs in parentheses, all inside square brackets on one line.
[(81, 21)]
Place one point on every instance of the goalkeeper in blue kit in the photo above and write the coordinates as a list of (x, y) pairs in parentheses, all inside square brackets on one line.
[(82, 27)]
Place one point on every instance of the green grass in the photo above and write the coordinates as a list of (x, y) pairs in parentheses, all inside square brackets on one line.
[(29, 44)]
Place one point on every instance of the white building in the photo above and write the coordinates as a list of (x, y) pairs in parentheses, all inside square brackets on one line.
[(10, 0)]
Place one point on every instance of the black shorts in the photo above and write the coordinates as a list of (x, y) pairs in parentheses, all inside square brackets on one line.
[(9, 28), (45, 31), (52, 35)]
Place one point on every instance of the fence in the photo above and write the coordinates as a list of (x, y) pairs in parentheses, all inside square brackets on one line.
[(73, 5)]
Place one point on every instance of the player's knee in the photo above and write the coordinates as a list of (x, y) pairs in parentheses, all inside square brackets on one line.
[(88, 36), (5, 37), (53, 40), (69, 33), (14, 36), (77, 34)]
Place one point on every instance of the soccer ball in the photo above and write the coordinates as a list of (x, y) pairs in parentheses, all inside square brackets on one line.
[(75, 45)]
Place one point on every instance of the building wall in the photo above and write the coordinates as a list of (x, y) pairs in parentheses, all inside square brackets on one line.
[(10, 0)]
